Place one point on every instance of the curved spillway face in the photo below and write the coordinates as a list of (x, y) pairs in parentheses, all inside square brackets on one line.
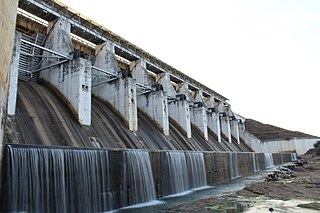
[(43, 118), (152, 135), (109, 129)]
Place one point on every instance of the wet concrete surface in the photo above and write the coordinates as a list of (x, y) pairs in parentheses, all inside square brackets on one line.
[(43, 117)]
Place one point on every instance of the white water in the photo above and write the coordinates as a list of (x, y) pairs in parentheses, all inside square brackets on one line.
[(196, 169), (137, 178), (233, 164), (255, 161), (268, 160), (185, 171), (57, 180), (75, 180), (293, 157), (177, 168)]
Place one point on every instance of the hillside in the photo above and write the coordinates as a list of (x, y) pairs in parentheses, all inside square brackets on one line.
[(267, 132)]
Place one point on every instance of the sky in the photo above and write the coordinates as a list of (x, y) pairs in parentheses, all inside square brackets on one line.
[(264, 56)]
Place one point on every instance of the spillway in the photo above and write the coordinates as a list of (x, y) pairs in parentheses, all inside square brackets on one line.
[(268, 159), (100, 124), (44, 118), (64, 179)]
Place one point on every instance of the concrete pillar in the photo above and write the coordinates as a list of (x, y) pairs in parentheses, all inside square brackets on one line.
[(226, 128), (235, 132), (121, 92), (8, 14), (216, 117), (213, 121), (139, 72), (73, 78), (14, 73), (225, 121), (154, 103), (168, 89), (199, 114), (179, 109)]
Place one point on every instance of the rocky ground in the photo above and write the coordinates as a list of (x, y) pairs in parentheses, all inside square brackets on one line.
[(282, 190)]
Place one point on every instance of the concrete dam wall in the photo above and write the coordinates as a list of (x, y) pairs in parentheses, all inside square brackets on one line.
[(96, 124), (44, 118), (65, 179)]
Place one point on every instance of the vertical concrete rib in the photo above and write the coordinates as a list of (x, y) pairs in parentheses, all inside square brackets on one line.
[(73, 78), (154, 103), (235, 130), (179, 109), (213, 117), (14, 73), (199, 115), (119, 92), (224, 121)]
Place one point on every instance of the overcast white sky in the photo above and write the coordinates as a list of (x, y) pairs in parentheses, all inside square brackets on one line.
[(264, 55)]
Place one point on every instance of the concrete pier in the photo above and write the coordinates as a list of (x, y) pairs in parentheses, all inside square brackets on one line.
[(199, 113), (151, 97), (72, 75), (117, 88), (179, 109), (8, 14), (14, 72), (225, 125), (213, 118)]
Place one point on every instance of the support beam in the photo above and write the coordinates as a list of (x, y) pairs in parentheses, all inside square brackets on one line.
[(179, 109), (225, 126), (14, 73), (73, 78), (153, 103), (121, 92), (213, 118), (235, 132), (199, 113), (8, 14)]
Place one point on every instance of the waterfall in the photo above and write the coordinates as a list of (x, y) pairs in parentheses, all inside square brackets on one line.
[(196, 169), (182, 172), (268, 160), (177, 175), (233, 164), (255, 161), (56, 180), (137, 178), (293, 156)]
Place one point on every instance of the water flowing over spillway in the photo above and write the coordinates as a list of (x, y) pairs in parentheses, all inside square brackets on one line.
[(255, 161), (137, 179), (75, 180), (293, 156), (177, 175), (234, 166), (196, 167), (57, 180), (268, 160), (182, 172)]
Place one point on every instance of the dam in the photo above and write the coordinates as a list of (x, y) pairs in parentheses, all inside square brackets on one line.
[(95, 123)]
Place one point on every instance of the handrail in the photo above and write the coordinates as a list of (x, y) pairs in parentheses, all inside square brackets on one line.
[(105, 34)]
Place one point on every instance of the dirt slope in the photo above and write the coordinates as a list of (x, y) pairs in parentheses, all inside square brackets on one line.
[(267, 132)]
